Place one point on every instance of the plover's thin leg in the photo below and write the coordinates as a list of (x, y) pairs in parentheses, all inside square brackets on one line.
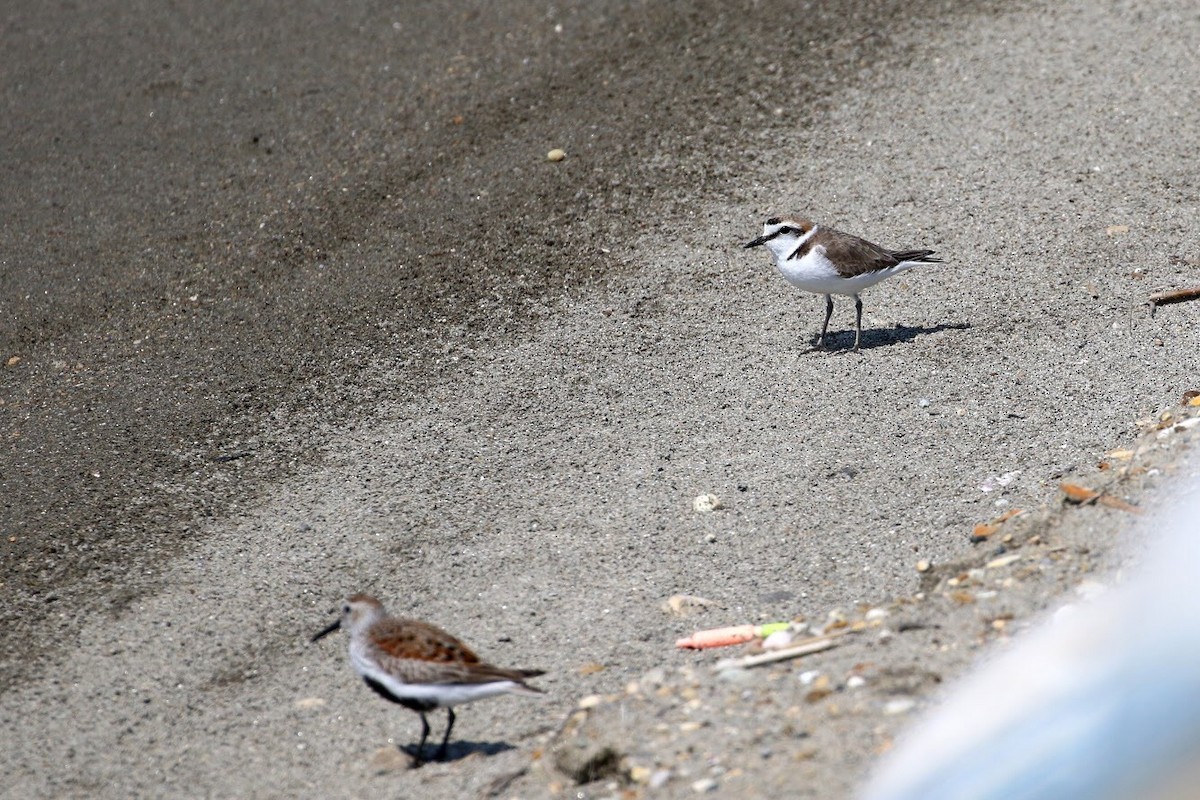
[(828, 314), (441, 753), (417, 759), (857, 321)]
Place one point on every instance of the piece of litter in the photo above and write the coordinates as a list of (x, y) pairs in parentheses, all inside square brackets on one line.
[(723, 637)]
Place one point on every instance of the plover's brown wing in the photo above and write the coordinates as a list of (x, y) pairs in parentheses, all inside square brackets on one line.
[(916, 255), (852, 255)]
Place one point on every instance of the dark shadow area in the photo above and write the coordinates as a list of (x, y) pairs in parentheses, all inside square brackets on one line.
[(843, 341), (457, 750)]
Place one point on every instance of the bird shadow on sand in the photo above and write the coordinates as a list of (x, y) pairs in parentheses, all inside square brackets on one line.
[(843, 341), (458, 750)]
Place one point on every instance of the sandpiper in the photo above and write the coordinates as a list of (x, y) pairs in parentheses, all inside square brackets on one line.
[(420, 666)]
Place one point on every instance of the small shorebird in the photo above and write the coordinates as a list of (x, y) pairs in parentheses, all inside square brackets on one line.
[(826, 261), (420, 666)]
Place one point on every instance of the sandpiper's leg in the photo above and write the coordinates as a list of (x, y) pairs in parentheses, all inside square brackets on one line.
[(857, 321), (441, 753), (828, 314), (418, 759)]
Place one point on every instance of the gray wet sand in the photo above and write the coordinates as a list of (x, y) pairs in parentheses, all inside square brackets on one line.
[(516, 458)]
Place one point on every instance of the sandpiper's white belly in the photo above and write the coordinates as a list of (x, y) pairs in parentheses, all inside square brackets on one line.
[(816, 273), (440, 694)]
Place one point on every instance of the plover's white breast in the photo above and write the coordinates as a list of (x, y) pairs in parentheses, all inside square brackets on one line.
[(814, 272)]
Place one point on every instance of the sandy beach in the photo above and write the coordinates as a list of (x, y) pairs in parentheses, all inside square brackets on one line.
[(293, 304)]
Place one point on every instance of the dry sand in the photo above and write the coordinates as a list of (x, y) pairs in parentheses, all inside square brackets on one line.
[(299, 307)]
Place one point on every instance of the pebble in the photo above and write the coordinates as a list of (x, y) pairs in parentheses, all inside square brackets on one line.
[(389, 759), (556, 155), (923, 566), (875, 614), (659, 779), (899, 705), (855, 682), (704, 785), (682, 605), (309, 702), (706, 503), (732, 673), (654, 677), (1003, 561)]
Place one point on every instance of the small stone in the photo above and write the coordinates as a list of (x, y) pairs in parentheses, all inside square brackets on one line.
[(654, 677), (12, 361), (556, 155), (704, 785), (685, 605), (899, 705), (1003, 561), (855, 682), (590, 745), (733, 673), (640, 774), (876, 615), (659, 779), (389, 759), (706, 503), (822, 687), (591, 701), (305, 703), (923, 566)]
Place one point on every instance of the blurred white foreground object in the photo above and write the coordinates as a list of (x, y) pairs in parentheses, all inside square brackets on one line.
[(1101, 701)]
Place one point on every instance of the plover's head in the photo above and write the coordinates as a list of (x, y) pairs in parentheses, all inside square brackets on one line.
[(782, 235), (358, 612)]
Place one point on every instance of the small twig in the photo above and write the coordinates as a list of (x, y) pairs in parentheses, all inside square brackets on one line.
[(813, 644), (1173, 296)]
